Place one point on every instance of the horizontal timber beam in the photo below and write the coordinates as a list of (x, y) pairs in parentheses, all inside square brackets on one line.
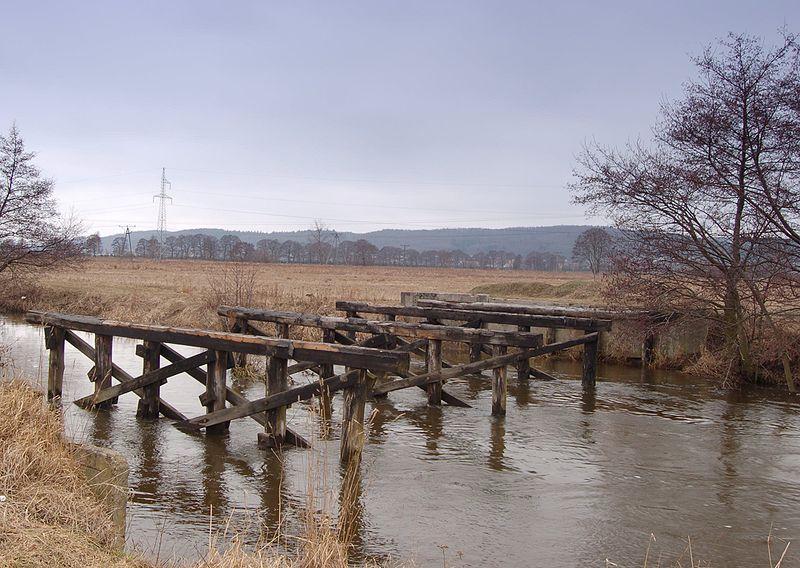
[(400, 329), (469, 315), (357, 357)]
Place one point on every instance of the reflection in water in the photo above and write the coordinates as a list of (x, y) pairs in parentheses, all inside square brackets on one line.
[(498, 443), (597, 470)]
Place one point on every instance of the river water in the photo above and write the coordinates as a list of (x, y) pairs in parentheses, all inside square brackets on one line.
[(565, 479)]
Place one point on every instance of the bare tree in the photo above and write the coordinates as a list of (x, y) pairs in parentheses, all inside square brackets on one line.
[(319, 247), (593, 247), (32, 233), (93, 245), (692, 203)]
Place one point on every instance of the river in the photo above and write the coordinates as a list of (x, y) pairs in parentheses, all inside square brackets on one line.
[(565, 479)]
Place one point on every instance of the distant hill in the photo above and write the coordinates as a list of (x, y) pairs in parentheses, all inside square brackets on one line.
[(518, 240)]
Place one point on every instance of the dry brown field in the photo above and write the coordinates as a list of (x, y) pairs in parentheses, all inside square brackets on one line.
[(187, 292)]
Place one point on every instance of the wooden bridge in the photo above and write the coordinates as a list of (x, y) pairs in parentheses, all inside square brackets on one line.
[(376, 357)]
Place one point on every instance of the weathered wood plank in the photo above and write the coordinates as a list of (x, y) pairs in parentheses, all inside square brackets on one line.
[(389, 327), (360, 357), (277, 382), (466, 314), (557, 311), (120, 374), (159, 375)]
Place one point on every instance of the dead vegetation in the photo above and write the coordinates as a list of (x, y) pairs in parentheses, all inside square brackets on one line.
[(187, 293)]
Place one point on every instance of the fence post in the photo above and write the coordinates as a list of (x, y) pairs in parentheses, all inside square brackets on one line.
[(355, 398), (148, 404), (499, 383), (216, 389), (54, 341), (552, 335), (102, 366), (433, 363), (524, 365), (277, 381), (351, 334), (590, 351)]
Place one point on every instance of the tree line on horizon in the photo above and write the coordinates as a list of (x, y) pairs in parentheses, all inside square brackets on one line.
[(324, 248)]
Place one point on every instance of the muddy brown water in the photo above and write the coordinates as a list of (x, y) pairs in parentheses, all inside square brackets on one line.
[(565, 479)]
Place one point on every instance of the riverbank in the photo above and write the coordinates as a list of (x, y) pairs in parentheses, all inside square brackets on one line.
[(50, 517), (187, 293)]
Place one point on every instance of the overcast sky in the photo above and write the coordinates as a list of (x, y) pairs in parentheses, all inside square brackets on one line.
[(367, 115)]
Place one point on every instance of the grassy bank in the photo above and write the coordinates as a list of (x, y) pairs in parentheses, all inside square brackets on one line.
[(186, 293), (49, 517)]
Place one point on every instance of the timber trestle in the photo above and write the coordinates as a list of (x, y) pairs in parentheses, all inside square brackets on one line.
[(374, 358)]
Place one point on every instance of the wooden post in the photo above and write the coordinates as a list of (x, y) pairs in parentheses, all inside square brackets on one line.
[(102, 366), (391, 340), (355, 398), (277, 381), (215, 389), (590, 351), (433, 364), (148, 404), (524, 365), (475, 349), (325, 371), (552, 335), (499, 383), (54, 340)]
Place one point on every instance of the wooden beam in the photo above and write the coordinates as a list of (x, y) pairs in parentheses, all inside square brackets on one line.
[(148, 404), (466, 314), (484, 364), (524, 365), (391, 328), (102, 368), (120, 374), (499, 382), (557, 311), (433, 364), (360, 357), (275, 428), (219, 340), (216, 387), (590, 352), (353, 404), (159, 375), (271, 402)]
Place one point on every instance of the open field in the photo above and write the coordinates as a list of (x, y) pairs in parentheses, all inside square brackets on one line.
[(187, 292)]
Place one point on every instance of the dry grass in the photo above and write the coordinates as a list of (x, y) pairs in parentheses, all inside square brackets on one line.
[(185, 293), (49, 517)]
